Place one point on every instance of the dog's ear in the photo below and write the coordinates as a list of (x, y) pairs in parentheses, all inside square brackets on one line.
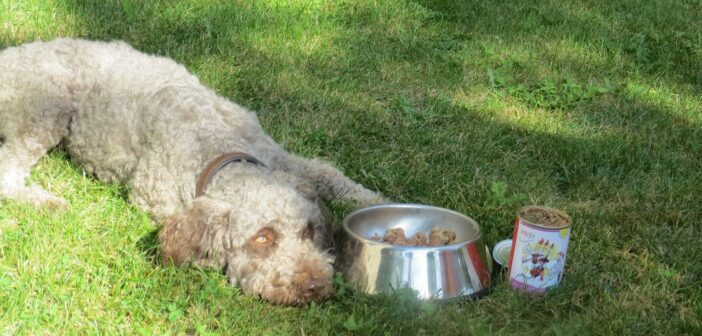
[(189, 235), (181, 235)]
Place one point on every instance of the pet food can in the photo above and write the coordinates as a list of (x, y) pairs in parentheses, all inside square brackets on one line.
[(539, 248)]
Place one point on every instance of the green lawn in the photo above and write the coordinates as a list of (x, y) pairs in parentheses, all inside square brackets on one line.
[(593, 107)]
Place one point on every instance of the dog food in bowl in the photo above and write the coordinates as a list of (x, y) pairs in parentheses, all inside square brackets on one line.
[(437, 237), (461, 268)]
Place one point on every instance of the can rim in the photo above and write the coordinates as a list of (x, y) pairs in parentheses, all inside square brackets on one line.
[(502, 245), (537, 207)]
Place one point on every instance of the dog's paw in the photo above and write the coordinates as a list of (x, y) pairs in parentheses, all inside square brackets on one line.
[(58, 203), (41, 198), (369, 198)]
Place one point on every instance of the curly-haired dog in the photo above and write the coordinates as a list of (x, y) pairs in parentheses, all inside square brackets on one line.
[(227, 195)]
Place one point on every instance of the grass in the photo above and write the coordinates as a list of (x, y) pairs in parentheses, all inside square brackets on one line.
[(592, 107)]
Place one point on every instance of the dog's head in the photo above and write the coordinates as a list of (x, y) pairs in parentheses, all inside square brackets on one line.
[(271, 240)]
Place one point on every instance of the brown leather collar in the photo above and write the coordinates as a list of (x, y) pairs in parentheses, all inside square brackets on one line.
[(218, 163)]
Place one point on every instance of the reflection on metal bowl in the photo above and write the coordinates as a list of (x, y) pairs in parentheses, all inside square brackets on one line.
[(433, 272)]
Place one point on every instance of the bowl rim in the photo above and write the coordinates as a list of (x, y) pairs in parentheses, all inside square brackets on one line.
[(348, 231)]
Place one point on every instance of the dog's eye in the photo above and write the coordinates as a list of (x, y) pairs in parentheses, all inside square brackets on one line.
[(308, 232), (264, 238)]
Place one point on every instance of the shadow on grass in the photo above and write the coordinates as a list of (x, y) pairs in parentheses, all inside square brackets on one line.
[(655, 38), (149, 246), (386, 87)]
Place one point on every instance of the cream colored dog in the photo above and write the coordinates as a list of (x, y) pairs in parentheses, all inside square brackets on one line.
[(146, 122)]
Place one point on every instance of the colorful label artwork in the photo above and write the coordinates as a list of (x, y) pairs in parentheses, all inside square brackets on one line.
[(539, 258)]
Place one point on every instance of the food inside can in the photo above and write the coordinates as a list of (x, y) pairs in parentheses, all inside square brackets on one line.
[(544, 217)]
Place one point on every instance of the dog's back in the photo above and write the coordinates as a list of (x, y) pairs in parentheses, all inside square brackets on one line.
[(34, 86), (124, 116), (102, 100)]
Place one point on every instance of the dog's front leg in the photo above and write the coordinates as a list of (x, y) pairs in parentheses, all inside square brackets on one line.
[(330, 183), (16, 161)]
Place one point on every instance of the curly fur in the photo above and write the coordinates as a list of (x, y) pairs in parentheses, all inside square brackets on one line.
[(144, 121)]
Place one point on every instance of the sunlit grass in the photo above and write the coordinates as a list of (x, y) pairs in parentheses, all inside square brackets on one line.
[(592, 107), (36, 19)]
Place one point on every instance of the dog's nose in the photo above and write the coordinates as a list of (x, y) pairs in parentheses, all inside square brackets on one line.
[(313, 287)]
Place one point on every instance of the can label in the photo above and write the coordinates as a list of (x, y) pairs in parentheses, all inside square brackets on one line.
[(538, 255)]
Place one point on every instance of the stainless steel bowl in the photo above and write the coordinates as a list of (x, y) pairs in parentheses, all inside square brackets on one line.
[(434, 272)]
